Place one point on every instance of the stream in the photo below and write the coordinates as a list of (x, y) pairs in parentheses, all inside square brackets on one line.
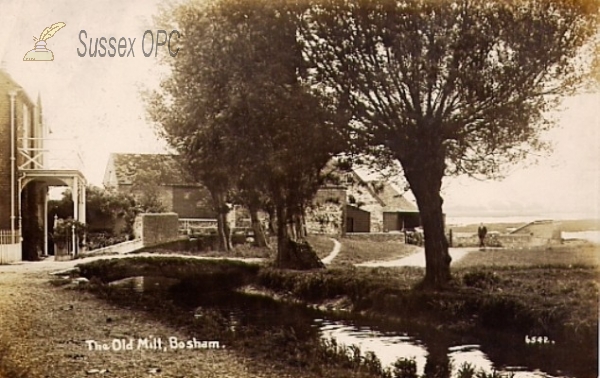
[(430, 347)]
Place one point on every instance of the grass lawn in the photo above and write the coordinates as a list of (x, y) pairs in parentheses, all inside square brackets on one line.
[(359, 251), (323, 245), (570, 254)]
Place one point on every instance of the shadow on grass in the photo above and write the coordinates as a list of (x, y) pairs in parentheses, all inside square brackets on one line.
[(8, 368)]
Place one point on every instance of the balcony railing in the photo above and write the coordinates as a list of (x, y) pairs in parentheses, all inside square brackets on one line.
[(49, 153)]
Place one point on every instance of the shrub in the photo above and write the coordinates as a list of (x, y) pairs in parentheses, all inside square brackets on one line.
[(404, 368), (481, 279)]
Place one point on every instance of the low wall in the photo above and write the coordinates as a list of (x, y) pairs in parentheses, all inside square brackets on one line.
[(376, 237), (154, 229), (10, 253), (125, 247), (502, 241)]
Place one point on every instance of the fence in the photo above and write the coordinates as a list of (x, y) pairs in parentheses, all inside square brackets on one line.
[(192, 226), (10, 246), (9, 237)]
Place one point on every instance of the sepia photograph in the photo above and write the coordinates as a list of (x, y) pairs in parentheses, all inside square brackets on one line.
[(300, 188)]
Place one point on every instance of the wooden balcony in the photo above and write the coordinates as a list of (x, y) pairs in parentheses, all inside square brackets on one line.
[(49, 154)]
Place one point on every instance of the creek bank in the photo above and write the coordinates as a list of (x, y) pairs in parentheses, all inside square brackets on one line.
[(557, 302), (514, 303)]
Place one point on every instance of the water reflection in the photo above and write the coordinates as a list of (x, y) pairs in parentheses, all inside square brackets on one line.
[(387, 347), (439, 359), (146, 283)]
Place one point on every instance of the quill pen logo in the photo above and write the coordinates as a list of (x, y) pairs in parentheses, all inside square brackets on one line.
[(40, 52)]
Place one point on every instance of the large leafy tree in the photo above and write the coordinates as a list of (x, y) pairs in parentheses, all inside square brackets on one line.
[(448, 87), (236, 107)]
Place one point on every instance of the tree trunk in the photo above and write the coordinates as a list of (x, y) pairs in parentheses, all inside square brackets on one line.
[(272, 220), (300, 228), (260, 239), (223, 231), (283, 238), (292, 254), (424, 174)]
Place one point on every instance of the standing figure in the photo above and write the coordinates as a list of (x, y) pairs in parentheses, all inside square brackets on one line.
[(482, 232)]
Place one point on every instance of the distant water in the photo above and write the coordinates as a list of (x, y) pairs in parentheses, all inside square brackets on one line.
[(592, 236), (463, 221)]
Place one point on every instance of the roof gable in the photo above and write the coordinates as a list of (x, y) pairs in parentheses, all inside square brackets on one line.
[(390, 199)]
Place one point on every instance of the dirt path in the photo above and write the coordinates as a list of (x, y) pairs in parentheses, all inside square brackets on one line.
[(45, 329), (418, 259), (337, 246)]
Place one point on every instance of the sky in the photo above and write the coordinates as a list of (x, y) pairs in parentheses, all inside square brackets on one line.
[(97, 102)]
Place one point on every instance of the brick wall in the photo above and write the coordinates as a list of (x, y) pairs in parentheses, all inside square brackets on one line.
[(6, 86), (4, 156)]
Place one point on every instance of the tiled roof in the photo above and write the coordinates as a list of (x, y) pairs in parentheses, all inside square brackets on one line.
[(168, 168), (391, 200)]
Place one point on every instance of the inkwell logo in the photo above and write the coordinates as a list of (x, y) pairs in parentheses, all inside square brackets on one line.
[(40, 52)]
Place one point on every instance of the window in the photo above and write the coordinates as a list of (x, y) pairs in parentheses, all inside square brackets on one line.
[(349, 179), (26, 131)]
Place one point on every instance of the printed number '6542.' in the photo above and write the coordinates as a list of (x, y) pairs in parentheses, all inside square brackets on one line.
[(538, 340)]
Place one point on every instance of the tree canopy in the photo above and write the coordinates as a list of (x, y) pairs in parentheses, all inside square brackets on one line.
[(447, 87), (237, 108)]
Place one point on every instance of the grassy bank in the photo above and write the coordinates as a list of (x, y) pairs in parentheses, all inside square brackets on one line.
[(577, 254), (550, 292)]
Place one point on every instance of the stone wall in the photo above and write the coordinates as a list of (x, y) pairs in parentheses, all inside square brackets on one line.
[(501, 240), (156, 229), (326, 215)]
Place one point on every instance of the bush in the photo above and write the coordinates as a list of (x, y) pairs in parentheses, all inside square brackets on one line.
[(481, 279), (404, 368), (64, 230), (102, 239)]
